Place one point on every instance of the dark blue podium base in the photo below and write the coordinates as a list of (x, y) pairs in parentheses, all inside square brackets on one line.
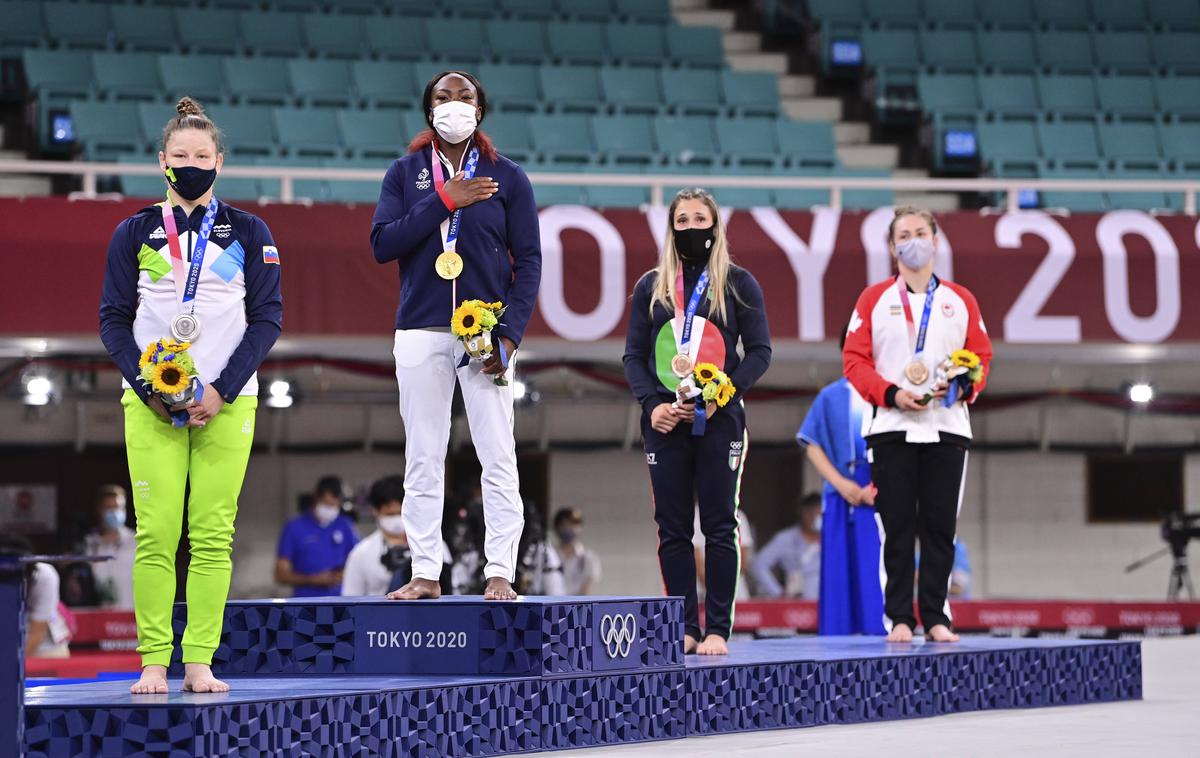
[(766, 684)]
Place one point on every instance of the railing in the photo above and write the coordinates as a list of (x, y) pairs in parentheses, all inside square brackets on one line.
[(656, 182)]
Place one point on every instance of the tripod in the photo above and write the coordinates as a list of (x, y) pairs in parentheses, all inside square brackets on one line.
[(1180, 576)]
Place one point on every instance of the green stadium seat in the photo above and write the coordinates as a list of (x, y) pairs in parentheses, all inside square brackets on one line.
[(56, 75), (302, 7), (839, 15), (103, 130), (949, 94), (1067, 95), (1142, 201), (197, 76), (743, 198), (127, 76), (1178, 96), (626, 140), (1007, 49), (517, 41), (208, 30), (480, 9), (1126, 95), (748, 143), (894, 49), (78, 25), (372, 134), (695, 46), (950, 49), (254, 81), (153, 117), (577, 41), (751, 93), (425, 70), (556, 194), (333, 36), (806, 144), (270, 33), (866, 198), (1180, 142), (1124, 51), (141, 185), (321, 82), (1075, 200), (802, 199), (1129, 141), (397, 38), (631, 90), (311, 189), (459, 39), (584, 10), (894, 13), (307, 131), (1176, 51), (1063, 14), (1119, 14), (407, 9), (1064, 50), (23, 26), (527, 9), (1005, 144), (616, 197), (358, 192), (385, 84), (658, 11), (510, 134), (571, 89), (687, 141), (146, 28), (691, 91), (563, 139), (1009, 93), (1175, 15), (236, 5), (636, 44), (512, 86), (951, 13), (414, 123), (1068, 140), (356, 7), (248, 129)]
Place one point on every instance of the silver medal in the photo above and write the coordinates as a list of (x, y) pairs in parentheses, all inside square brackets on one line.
[(185, 327)]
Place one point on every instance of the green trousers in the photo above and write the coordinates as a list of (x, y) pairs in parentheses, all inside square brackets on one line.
[(162, 461)]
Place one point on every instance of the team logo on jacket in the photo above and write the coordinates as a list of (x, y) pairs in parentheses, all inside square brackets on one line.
[(948, 310), (735, 455), (222, 230), (270, 254), (651, 459), (423, 179), (158, 234)]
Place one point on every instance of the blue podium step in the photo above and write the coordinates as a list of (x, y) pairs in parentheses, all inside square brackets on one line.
[(458, 635)]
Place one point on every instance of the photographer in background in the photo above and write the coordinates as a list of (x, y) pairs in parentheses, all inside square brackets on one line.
[(581, 565), (314, 545), (464, 533), (539, 570), (382, 562)]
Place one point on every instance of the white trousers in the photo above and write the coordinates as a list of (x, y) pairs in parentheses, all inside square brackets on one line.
[(426, 370)]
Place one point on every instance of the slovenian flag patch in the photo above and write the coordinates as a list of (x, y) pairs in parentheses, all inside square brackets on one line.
[(270, 254)]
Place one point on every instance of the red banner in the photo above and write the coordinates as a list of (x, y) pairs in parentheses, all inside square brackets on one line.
[(1118, 276)]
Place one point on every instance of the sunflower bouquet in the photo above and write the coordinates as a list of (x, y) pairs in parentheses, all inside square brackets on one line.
[(960, 371), (472, 323), (171, 373), (715, 386)]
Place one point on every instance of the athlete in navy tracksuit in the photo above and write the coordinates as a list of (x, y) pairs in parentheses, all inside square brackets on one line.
[(685, 468)]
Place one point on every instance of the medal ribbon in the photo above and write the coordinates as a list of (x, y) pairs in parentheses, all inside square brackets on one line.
[(187, 284), (915, 338), (449, 229), (685, 333)]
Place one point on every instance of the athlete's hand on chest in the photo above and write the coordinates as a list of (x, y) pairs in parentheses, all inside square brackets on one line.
[(464, 192), (209, 406)]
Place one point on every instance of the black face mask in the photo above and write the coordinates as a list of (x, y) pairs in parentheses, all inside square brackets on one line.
[(694, 245), (190, 182)]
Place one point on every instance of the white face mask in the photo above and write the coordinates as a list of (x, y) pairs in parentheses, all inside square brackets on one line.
[(916, 252), (325, 514), (392, 524), (455, 121)]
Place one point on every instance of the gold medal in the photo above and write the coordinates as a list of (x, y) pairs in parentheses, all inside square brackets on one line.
[(449, 265), (916, 372), (682, 365)]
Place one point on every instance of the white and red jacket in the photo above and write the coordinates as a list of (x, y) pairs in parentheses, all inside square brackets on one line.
[(878, 348)]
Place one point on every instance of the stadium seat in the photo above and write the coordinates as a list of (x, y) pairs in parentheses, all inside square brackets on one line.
[(1120, 14), (208, 30), (1124, 51), (626, 140), (510, 134), (1014, 94), (866, 198), (563, 139), (356, 7), (1067, 95), (127, 76), (253, 81), (616, 197), (571, 89), (397, 38), (748, 143), (1178, 96), (1144, 201), (535, 9), (1176, 51), (949, 49), (197, 76), (248, 129), (56, 75), (1126, 95), (413, 123), (644, 10), (270, 33), (456, 39), (1007, 50), (141, 185), (481, 9), (308, 131), (1007, 14), (894, 49), (1063, 14), (691, 91), (699, 46), (686, 141), (104, 130), (78, 25), (146, 28), (949, 94), (577, 41), (364, 192), (371, 134), (1005, 145), (153, 117), (517, 41), (23, 25), (312, 189), (333, 36), (837, 16), (1129, 142), (950, 13), (556, 194), (636, 44), (321, 82), (1174, 15), (802, 199), (408, 9), (806, 144), (512, 86), (1064, 50), (385, 84), (585, 10), (743, 198), (751, 93), (893, 13), (631, 90), (1075, 200), (1068, 140)]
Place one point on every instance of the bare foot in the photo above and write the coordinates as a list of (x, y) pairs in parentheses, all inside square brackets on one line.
[(152, 682), (689, 644), (198, 677), (941, 633), (900, 633), (499, 588), (416, 590), (714, 644)]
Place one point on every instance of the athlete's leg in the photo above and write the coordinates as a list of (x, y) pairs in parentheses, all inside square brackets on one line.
[(943, 474), (894, 471), (669, 458), (720, 460)]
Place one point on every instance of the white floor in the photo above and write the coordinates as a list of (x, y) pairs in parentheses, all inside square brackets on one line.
[(1163, 725)]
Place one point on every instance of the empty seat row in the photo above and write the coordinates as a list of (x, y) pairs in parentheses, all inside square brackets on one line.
[(1093, 201), (1113, 14), (1071, 142)]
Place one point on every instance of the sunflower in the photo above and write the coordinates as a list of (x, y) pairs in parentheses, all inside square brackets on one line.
[(170, 378), (148, 356), (964, 358), (706, 372), (467, 320), (725, 391)]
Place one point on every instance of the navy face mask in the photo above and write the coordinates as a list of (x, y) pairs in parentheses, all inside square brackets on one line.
[(190, 182)]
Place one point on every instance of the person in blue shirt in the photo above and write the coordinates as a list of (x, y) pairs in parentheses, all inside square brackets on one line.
[(314, 546), (459, 222), (851, 598)]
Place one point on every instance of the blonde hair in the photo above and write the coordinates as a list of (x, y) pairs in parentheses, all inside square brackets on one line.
[(189, 115), (911, 210), (718, 262)]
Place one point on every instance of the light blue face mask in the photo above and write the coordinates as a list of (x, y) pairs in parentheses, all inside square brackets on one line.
[(114, 519), (916, 252)]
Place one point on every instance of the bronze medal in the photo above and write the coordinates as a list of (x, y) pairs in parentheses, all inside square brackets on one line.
[(916, 372), (682, 365)]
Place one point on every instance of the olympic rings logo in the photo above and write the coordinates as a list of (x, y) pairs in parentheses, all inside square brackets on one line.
[(618, 632)]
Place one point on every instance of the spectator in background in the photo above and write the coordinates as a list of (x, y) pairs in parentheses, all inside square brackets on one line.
[(113, 579), (314, 545), (46, 630), (745, 537), (539, 570), (382, 562), (795, 552), (580, 564)]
